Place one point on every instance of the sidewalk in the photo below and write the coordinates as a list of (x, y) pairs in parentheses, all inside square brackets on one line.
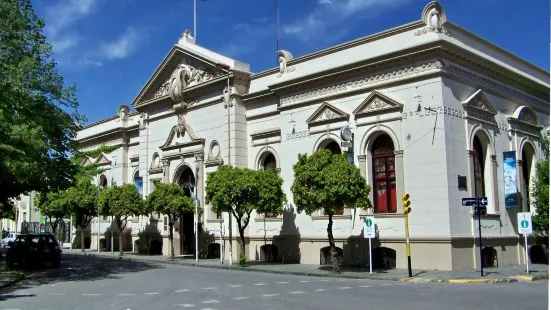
[(506, 274)]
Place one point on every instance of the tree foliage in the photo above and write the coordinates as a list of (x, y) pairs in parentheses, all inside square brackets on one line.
[(82, 200), (53, 205), (328, 182), (170, 200), (121, 202), (240, 191), (38, 116), (540, 191)]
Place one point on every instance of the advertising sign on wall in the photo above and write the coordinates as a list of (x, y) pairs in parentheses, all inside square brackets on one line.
[(138, 181), (510, 179)]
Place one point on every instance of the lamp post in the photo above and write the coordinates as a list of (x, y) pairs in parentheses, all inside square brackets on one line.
[(227, 104), (99, 186)]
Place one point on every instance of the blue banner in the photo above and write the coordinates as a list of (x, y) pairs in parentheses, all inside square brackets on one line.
[(138, 181), (510, 179)]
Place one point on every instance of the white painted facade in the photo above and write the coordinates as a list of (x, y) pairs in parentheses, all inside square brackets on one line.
[(432, 87)]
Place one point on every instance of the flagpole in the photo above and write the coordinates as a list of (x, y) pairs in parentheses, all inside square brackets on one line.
[(195, 19), (277, 26)]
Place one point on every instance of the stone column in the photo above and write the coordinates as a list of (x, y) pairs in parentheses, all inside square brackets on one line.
[(166, 170), (470, 172), (199, 164), (399, 174), (495, 193), (361, 160), (521, 187)]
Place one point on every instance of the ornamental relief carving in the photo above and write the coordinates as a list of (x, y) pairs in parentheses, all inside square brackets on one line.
[(377, 104), (403, 72)]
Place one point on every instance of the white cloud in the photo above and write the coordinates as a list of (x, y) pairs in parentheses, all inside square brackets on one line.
[(321, 22), (121, 47), (65, 13), (59, 45)]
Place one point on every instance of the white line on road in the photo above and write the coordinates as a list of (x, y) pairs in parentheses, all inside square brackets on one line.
[(210, 288), (365, 286), (282, 282), (324, 280), (57, 294), (240, 298), (304, 281), (259, 284), (236, 285), (344, 287), (152, 293), (321, 290), (180, 291), (186, 305), (208, 309), (125, 294), (270, 295), (386, 284), (91, 294), (297, 292), (213, 301)]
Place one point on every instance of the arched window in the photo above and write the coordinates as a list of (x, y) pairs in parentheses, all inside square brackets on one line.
[(187, 181), (103, 181), (384, 178), (479, 168), (269, 162), (528, 161), (334, 147)]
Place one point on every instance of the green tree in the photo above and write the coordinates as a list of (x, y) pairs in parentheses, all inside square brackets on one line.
[(170, 200), (328, 182), (540, 191), (38, 116), (240, 192), (82, 201), (121, 202), (53, 205)]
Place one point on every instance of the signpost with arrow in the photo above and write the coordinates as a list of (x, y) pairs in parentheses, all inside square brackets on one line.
[(479, 204)]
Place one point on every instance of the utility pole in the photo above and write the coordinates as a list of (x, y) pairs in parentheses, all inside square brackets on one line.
[(407, 209)]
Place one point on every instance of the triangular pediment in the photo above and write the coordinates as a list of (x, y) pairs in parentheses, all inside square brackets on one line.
[(377, 103), (192, 69), (87, 161), (103, 159), (478, 102), (326, 113), (180, 137)]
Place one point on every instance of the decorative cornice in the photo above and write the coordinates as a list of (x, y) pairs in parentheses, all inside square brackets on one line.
[(266, 133), (377, 103), (326, 113), (362, 83)]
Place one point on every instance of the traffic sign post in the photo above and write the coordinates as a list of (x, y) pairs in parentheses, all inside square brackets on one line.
[(479, 204), (369, 232), (524, 220)]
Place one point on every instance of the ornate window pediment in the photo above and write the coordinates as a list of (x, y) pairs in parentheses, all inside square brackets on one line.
[(87, 161), (326, 113), (180, 136), (103, 160), (525, 120), (478, 103), (377, 103)]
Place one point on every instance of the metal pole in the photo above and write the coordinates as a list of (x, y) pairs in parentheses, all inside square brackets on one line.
[(71, 233), (370, 260), (112, 250), (98, 222), (229, 165), (195, 19), (221, 240), (408, 251), (526, 253), (480, 240), (196, 230)]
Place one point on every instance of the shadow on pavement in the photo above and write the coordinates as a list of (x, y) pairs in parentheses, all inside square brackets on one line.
[(76, 268)]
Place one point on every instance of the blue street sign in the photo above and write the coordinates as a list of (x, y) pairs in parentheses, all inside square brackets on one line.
[(468, 202), (483, 201)]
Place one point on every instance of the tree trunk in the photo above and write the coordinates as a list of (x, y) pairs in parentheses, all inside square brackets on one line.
[(242, 238), (81, 239), (171, 240), (120, 242), (332, 248)]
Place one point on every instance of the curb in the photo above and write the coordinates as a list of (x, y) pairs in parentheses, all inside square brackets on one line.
[(20, 277), (474, 281), (533, 278)]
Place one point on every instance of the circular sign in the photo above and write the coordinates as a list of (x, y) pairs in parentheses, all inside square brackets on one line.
[(346, 133), (368, 222), (524, 224)]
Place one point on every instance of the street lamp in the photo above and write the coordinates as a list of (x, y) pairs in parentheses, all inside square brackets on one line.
[(227, 104), (99, 187)]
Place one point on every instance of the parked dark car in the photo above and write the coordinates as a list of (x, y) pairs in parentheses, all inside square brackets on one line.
[(30, 250)]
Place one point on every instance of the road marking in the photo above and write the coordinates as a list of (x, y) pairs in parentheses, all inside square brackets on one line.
[(210, 288), (125, 294), (213, 301), (270, 295), (304, 281), (57, 294), (208, 309), (365, 286), (259, 284), (236, 285), (297, 292), (180, 291), (344, 287), (186, 305), (91, 294), (321, 290), (324, 280), (153, 293), (386, 284), (240, 298), (282, 282)]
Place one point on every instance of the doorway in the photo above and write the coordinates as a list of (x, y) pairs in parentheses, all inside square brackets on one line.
[(186, 180)]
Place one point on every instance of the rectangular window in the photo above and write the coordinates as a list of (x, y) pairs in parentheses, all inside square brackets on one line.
[(165, 223), (385, 184)]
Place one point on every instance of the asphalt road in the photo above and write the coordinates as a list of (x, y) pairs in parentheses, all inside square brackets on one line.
[(96, 283)]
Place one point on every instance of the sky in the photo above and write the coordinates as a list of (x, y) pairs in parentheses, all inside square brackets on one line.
[(110, 48)]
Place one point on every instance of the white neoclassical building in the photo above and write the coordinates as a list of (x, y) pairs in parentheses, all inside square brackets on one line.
[(435, 111)]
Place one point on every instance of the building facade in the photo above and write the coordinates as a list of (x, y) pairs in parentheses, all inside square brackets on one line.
[(432, 108)]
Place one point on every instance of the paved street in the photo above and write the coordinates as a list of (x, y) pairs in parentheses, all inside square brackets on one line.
[(96, 283)]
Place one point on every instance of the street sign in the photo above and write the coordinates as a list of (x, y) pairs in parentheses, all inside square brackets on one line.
[(483, 201), (482, 210), (524, 220), (469, 202), (369, 227)]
